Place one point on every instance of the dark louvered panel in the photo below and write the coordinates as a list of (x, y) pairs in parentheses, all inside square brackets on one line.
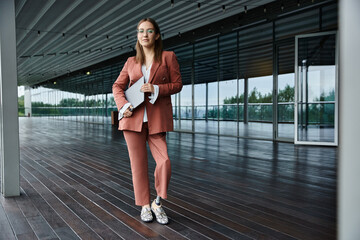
[(306, 22), (256, 61), (228, 42), (329, 16), (184, 52), (206, 48), (256, 35), (228, 65), (286, 56), (185, 70), (206, 69)]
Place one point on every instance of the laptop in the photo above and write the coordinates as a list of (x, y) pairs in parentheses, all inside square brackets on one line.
[(134, 95)]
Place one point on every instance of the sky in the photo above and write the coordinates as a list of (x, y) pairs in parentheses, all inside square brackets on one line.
[(20, 91)]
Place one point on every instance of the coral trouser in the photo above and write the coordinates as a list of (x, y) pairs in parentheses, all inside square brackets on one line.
[(136, 143)]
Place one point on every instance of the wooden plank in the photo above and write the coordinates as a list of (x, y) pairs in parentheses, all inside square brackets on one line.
[(17, 220), (72, 220), (66, 200), (6, 232)]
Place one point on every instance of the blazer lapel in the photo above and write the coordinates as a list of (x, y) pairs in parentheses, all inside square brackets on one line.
[(139, 71), (136, 74), (153, 70)]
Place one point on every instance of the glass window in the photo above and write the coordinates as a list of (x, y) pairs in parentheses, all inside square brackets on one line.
[(200, 107), (212, 116), (175, 109), (241, 100), (81, 107), (206, 72), (186, 107), (286, 95), (228, 107), (200, 101), (260, 107)]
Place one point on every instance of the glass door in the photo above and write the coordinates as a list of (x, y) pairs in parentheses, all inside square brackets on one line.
[(316, 81)]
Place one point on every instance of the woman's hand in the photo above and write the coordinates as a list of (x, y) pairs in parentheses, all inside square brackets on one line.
[(147, 87), (128, 112)]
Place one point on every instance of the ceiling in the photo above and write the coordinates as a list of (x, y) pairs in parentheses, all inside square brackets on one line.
[(57, 37)]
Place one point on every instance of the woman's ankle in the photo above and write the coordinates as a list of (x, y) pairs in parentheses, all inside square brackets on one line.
[(155, 205)]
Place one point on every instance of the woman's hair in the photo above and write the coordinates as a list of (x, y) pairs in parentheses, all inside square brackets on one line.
[(140, 56)]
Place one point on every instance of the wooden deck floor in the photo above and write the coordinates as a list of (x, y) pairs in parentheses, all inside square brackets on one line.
[(76, 184)]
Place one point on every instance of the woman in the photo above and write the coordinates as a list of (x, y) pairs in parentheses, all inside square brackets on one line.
[(152, 119)]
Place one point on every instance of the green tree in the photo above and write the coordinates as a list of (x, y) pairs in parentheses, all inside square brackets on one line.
[(111, 102), (234, 100), (256, 97), (287, 94), (327, 97), (21, 102), (70, 102), (267, 98), (40, 104), (21, 106)]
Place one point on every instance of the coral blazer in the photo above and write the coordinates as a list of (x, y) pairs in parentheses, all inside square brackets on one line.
[(167, 76)]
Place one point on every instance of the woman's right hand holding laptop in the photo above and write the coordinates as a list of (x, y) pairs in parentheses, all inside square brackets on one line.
[(128, 111)]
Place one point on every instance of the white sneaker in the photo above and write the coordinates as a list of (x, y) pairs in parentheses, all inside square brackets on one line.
[(159, 213), (146, 214)]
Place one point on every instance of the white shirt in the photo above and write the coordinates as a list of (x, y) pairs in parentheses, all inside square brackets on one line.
[(152, 97)]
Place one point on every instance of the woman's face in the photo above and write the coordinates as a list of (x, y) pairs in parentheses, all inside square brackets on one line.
[(146, 35)]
